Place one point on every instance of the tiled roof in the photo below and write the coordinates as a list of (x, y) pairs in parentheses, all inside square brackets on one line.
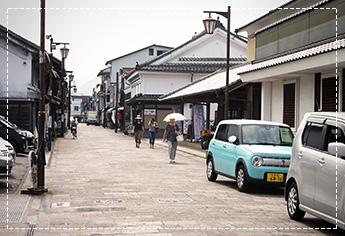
[(323, 48), (144, 97), (186, 67), (202, 59)]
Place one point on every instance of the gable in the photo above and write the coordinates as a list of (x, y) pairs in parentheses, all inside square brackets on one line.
[(206, 45)]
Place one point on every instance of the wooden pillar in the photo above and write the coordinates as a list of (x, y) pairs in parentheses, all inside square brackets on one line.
[(208, 112)]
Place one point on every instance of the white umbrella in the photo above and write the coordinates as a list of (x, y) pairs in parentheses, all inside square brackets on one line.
[(176, 116)]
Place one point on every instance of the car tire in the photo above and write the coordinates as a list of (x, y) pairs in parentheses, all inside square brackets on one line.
[(204, 142), (292, 203), (241, 179), (210, 172)]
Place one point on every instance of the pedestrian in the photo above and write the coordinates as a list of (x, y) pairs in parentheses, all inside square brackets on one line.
[(153, 126), (170, 133), (138, 130)]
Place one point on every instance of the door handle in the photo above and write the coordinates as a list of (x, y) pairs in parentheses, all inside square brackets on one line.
[(300, 155), (213, 143), (321, 161), (224, 146)]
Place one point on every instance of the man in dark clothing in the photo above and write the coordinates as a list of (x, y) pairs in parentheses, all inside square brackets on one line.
[(138, 130)]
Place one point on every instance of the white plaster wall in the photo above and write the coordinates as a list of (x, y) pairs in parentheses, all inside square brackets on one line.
[(19, 72), (130, 61), (306, 101), (76, 102), (213, 45), (163, 83), (277, 101), (266, 99)]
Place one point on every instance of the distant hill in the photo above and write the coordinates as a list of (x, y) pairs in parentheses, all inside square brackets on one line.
[(86, 87)]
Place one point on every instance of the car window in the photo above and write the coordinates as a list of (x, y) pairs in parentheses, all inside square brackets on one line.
[(232, 131), (333, 134), (266, 135), (312, 135), (221, 133)]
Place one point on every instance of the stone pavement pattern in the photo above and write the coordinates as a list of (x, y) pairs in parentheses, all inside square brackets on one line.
[(100, 184)]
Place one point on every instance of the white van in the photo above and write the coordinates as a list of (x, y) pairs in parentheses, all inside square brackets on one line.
[(316, 177)]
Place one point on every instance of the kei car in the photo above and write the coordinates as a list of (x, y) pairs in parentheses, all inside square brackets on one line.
[(7, 161), (251, 152), (19, 138), (316, 178)]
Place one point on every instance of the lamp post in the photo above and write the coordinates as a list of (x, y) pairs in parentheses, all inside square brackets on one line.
[(69, 100), (210, 24), (64, 53)]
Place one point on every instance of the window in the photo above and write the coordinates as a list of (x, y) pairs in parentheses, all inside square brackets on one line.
[(312, 135), (76, 108), (159, 52), (151, 51), (289, 105), (329, 91), (221, 133), (333, 134), (232, 131), (266, 135)]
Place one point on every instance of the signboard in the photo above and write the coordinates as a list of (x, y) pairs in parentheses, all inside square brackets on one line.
[(199, 120), (149, 112)]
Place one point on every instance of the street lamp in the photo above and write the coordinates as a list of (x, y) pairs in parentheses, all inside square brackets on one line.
[(69, 100), (210, 25), (64, 53)]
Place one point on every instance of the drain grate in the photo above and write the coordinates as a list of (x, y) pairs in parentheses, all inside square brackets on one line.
[(16, 207), (175, 200), (108, 201), (73, 180), (30, 231)]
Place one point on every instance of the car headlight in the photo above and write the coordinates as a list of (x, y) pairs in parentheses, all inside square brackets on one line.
[(257, 161)]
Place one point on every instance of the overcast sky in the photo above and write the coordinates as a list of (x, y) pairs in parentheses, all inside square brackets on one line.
[(98, 35)]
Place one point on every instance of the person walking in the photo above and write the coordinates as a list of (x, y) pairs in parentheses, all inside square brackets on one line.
[(138, 130), (153, 126), (170, 133)]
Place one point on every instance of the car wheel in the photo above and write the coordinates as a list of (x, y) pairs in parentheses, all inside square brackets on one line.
[(211, 174), (293, 203), (204, 142), (241, 179)]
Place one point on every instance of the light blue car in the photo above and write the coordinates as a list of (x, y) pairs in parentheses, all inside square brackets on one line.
[(251, 152)]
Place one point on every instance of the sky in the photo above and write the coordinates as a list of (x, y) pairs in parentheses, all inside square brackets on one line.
[(118, 27)]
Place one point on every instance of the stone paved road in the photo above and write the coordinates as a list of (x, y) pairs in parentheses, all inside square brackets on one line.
[(100, 184)]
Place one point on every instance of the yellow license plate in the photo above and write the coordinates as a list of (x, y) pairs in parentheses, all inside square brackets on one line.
[(275, 177)]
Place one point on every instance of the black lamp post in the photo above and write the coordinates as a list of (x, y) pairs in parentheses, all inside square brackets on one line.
[(69, 100), (210, 25), (64, 53)]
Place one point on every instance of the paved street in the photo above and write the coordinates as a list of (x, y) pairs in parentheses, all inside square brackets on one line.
[(100, 184)]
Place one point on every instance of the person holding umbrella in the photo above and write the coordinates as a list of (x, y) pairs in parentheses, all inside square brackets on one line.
[(138, 130), (170, 133)]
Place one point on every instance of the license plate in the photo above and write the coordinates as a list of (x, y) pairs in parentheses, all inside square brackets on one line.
[(275, 177)]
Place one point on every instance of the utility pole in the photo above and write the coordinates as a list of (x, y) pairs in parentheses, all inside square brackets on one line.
[(116, 102), (41, 161), (41, 113)]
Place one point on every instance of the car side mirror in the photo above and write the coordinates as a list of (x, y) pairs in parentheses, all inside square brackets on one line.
[(232, 139), (337, 148)]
